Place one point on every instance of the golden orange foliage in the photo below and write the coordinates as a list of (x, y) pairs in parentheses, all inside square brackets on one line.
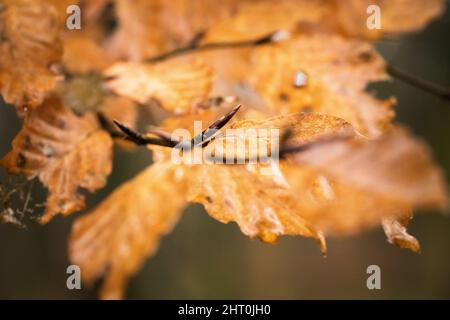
[(66, 152), (345, 166)]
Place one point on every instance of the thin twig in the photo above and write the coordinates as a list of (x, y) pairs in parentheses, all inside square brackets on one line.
[(196, 46), (108, 126), (425, 85), (163, 139), (142, 139)]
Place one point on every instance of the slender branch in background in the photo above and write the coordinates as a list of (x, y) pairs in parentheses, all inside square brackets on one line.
[(195, 45), (422, 84)]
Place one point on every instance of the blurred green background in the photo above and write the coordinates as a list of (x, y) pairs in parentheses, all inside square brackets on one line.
[(204, 259)]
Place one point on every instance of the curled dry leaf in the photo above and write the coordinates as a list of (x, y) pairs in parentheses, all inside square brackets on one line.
[(126, 228), (68, 153), (29, 47), (176, 84), (398, 235)]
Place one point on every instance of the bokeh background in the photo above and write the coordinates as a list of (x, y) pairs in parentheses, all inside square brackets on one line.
[(204, 259)]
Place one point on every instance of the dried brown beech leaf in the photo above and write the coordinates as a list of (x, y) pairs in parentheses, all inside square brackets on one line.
[(176, 84), (29, 46), (396, 16), (67, 153), (323, 73), (126, 228), (398, 235), (256, 202)]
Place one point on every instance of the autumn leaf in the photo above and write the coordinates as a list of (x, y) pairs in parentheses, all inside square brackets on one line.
[(302, 74), (242, 194), (29, 47), (126, 228), (358, 183), (68, 153), (176, 84)]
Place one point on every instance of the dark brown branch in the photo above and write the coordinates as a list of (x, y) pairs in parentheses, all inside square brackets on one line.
[(196, 46), (163, 138), (422, 84), (142, 139)]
